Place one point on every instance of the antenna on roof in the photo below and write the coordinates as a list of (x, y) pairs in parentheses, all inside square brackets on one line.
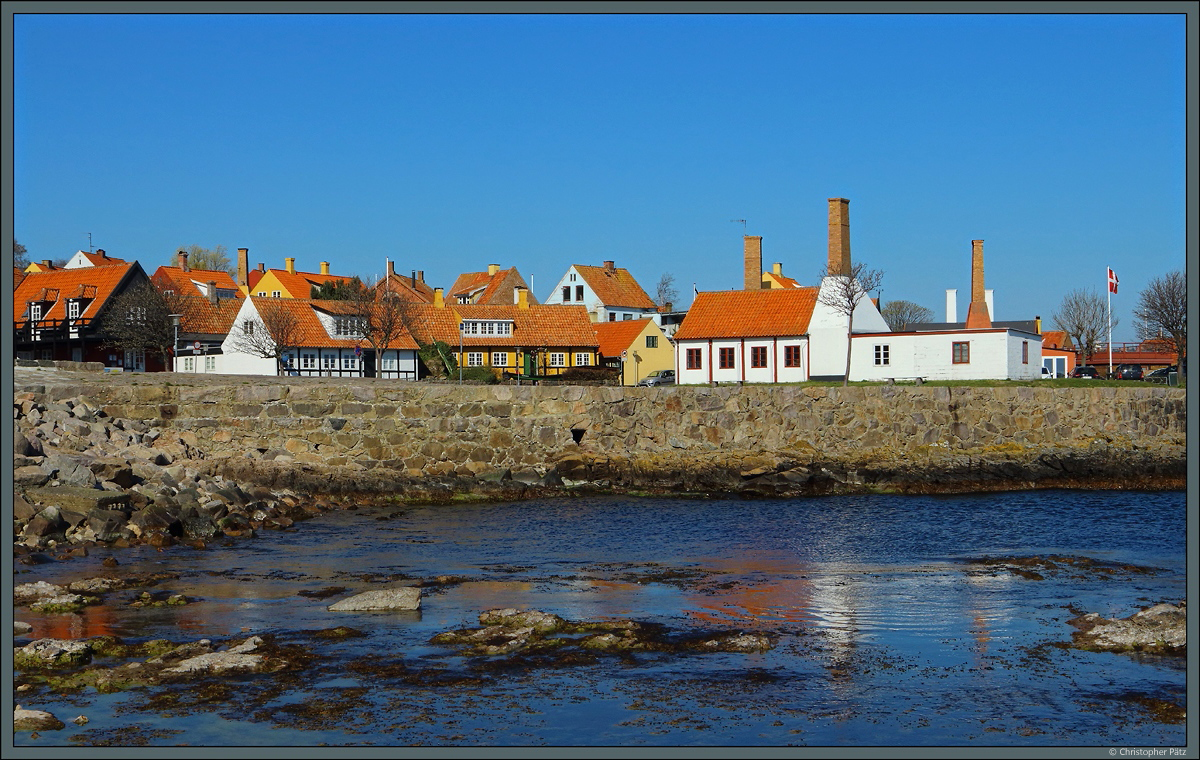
[(89, 242), (743, 221)]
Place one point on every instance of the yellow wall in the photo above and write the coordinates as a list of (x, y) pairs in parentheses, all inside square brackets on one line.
[(651, 359), (270, 283), (516, 360)]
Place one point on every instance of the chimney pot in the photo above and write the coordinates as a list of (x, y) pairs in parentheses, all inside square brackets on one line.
[(777, 268), (610, 266), (290, 265), (412, 279), (439, 301), (262, 267), (839, 237), (752, 262), (324, 267), (46, 263), (522, 295), (101, 253), (420, 275), (492, 269), (212, 292)]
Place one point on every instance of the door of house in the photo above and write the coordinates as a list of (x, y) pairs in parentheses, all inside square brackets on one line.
[(368, 363), (135, 361), (1056, 364), (76, 354)]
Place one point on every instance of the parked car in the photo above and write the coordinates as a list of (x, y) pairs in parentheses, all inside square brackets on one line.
[(1084, 372), (1127, 372), (1159, 375), (1047, 374), (659, 377)]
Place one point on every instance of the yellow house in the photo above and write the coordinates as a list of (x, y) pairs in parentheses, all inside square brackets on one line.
[(637, 346), (288, 283)]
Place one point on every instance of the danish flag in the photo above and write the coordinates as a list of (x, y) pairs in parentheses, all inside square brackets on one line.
[(1112, 281)]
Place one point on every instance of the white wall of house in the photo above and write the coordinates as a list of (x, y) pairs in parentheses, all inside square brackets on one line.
[(993, 355), (199, 364), (742, 368), (238, 362), (827, 332)]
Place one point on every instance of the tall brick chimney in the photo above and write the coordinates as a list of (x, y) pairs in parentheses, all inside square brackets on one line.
[(752, 262), (978, 317), (839, 237), (182, 260), (243, 267)]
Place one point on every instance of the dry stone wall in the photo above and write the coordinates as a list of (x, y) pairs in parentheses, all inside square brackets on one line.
[(422, 430)]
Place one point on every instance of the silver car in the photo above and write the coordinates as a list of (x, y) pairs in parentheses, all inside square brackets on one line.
[(659, 377)]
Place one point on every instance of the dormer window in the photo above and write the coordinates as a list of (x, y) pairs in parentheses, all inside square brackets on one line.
[(486, 327), (74, 308), (349, 327)]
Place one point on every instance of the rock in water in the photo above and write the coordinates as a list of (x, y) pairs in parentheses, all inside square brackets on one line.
[(402, 598)]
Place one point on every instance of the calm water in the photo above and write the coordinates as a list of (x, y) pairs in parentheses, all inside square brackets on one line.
[(888, 633)]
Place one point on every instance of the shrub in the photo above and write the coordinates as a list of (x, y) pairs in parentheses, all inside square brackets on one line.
[(590, 375)]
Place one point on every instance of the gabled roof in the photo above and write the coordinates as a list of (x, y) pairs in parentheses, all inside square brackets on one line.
[(202, 317), (1055, 339), (538, 326), (100, 259), (615, 287), (762, 313), (616, 337), (39, 266), (310, 332), (60, 285), (184, 282), (300, 284), (486, 289), (783, 281), (407, 288)]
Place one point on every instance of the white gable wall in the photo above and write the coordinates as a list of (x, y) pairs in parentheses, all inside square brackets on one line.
[(994, 355), (240, 363), (827, 332)]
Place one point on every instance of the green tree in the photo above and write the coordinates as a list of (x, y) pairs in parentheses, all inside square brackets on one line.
[(210, 259), (341, 290)]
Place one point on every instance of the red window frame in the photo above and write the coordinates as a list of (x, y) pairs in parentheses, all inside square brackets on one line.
[(695, 359), (758, 356), (961, 351), (728, 358), (791, 356)]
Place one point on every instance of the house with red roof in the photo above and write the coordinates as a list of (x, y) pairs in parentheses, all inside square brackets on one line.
[(320, 338), (89, 259), (609, 293), (495, 286), (1058, 355), (412, 288), (287, 282), (635, 347), (182, 280), (56, 313)]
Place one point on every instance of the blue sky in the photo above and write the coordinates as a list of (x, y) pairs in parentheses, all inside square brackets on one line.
[(450, 142)]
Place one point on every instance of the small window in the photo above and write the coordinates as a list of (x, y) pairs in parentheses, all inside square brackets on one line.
[(962, 352), (583, 360), (348, 361), (578, 292), (248, 327), (329, 361), (566, 292), (651, 341), (558, 360), (262, 293), (73, 309), (758, 356), (572, 277), (189, 364), (883, 355), (791, 356), (499, 358), (474, 358), (694, 359), (210, 364), (727, 358), (612, 316), (1024, 352), (626, 316), (276, 294), (308, 361)]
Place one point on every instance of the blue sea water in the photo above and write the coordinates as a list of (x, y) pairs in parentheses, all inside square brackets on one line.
[(889, 627)]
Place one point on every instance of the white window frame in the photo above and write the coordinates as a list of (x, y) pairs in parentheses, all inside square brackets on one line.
[(276, 294), (189, 364), (349, 361), (308, 360), (329, 360), (474, 358), (583, 359), (210, 364), (558, 359), (499, 358)]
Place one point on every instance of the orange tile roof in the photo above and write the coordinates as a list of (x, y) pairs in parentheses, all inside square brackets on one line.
[(616, 337), (1055, 339), (492, 286), (71, 283), (310, 332), (783, 280), (469, 282), (201, 317), (101, 260), (300, 284), (615, 287), (749, 313), (404, 288), (18, 275), (184, 282), (539, 326)]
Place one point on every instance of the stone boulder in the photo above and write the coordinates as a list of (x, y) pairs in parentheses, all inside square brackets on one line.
[(35, 720), (1160, 629), (401, 598), (238, 659), (52, 653)]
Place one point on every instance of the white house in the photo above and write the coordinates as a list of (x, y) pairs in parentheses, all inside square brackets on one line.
[(609, 293), (328, 338), (979, 354)]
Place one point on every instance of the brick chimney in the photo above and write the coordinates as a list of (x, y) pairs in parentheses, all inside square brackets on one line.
[(752, 262), (391, 269), (522, 297), (212, 292), (412, 279), (420, 275), (839, 237), (243, 267), (324, 267), (492, 269), (181, 259), (100, 252), (610, 266), (262, 267), (439, 302), (978, 317), (290, 265)]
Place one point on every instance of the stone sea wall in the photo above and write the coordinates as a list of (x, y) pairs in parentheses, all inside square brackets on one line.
[(353, 434)]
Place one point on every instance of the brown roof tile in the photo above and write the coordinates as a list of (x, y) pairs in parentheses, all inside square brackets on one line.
[(184, 282), (615, 287), (70, 282), (749, 313), (539, 326)]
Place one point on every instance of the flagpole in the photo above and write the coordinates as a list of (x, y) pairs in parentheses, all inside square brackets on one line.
[(1109, 288)]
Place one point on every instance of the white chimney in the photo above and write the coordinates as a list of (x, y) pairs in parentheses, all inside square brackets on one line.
[(951, 305), (987, 297)]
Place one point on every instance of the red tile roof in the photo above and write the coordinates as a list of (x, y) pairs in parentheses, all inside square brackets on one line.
[(300, 284), (60, 284), (184, 282), (101, 259), (749, 313), (1055, 339), (405, 288), (615, 287), (311, 333), (616, 337), (539, 326), (486, 289), (201, 317)]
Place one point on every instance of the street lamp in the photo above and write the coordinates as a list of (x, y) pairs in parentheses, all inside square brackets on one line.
[(462, 328), (175, 320)]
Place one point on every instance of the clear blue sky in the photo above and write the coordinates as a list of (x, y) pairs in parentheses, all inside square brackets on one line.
[(449, 142)]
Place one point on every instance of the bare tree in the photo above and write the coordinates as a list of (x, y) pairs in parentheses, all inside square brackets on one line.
[(843, 294), (1162, 308), (1083, 316), (384, 318), (271, 333), (139, 319), (20, 260), (900, 315), (211, 259), (665, 292)]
